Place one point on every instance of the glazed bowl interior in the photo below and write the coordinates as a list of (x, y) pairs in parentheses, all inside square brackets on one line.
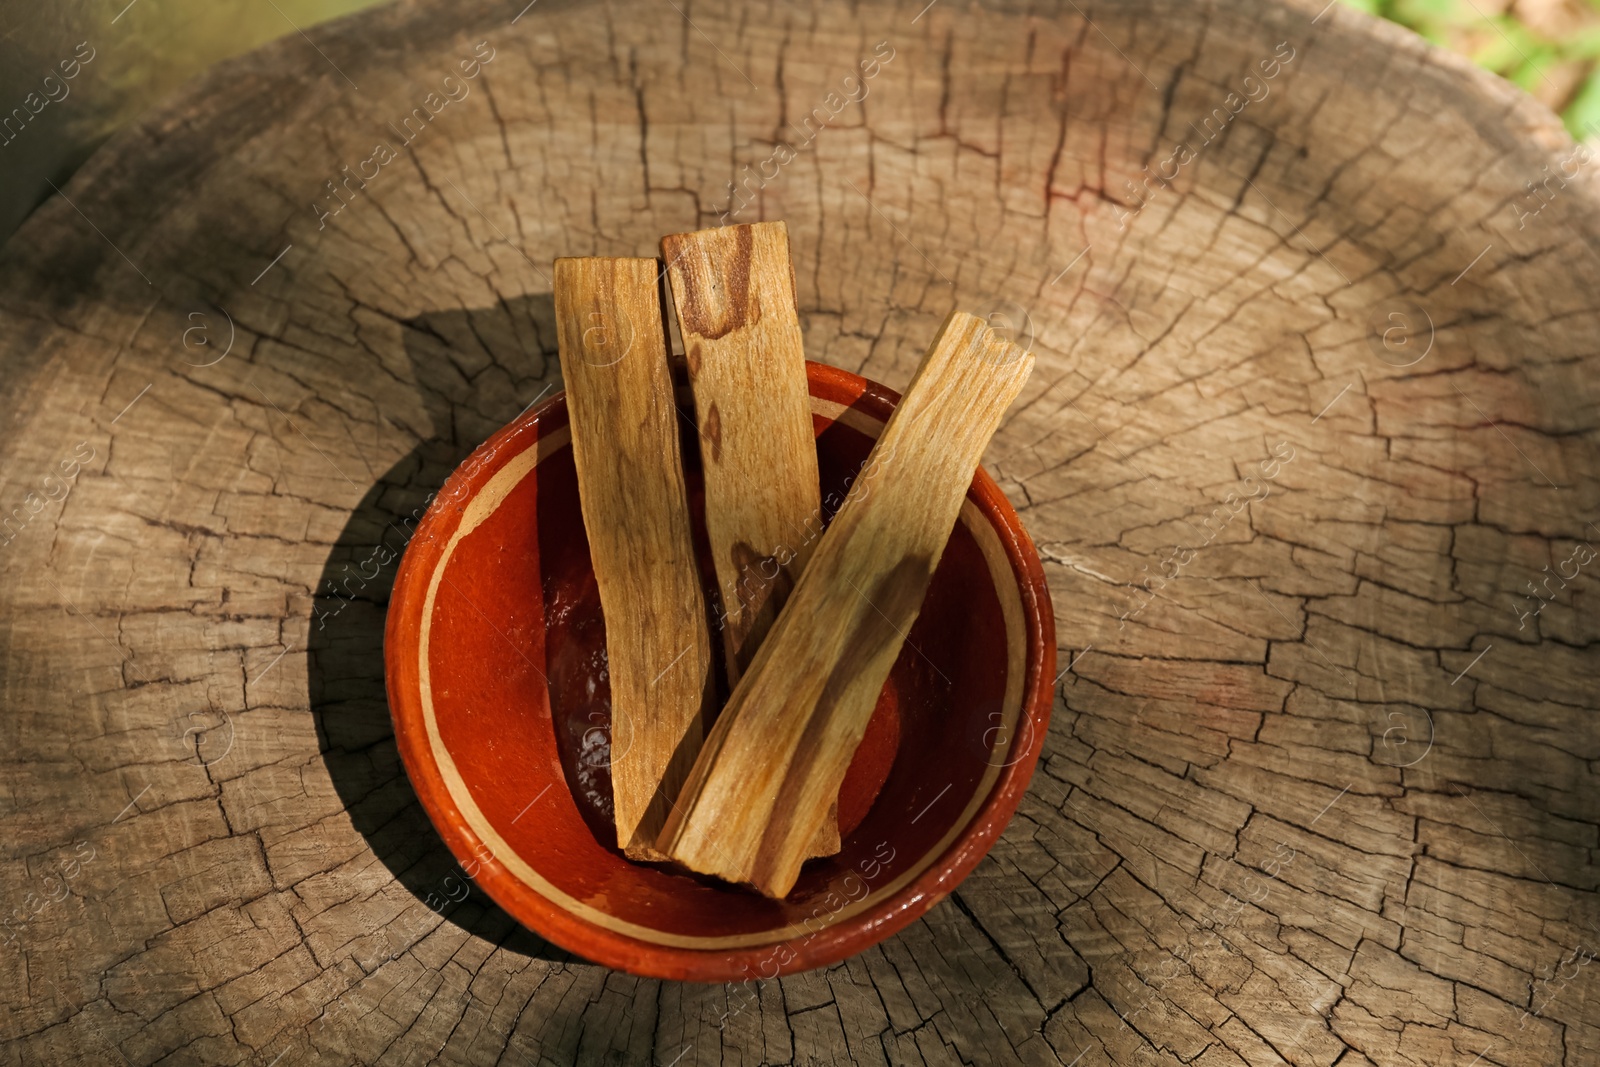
[(496, 668)]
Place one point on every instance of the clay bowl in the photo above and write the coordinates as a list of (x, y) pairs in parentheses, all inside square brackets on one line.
[(494, 653)]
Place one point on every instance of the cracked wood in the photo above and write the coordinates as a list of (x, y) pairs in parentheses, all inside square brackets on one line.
[(190, 634)]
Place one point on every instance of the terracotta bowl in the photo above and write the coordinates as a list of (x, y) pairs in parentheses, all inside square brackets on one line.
[(494, 652)]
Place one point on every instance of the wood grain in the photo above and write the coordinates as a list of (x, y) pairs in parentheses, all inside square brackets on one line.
[(733, 290), (613, 349), (772, 765), (194, 626)]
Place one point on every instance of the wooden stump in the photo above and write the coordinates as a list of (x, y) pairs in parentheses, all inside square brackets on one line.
[(1314, 404)]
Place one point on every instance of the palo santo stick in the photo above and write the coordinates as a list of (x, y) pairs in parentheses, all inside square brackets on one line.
[(764, 779), (733, 289), (613, 346)]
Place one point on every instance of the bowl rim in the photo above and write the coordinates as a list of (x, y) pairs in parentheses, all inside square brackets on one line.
[(769, 959)]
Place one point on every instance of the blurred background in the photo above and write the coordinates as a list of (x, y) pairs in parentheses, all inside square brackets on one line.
[(73, 71), (137, 53), (1548, 47)]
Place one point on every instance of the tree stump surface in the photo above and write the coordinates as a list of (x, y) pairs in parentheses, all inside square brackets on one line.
[(1314, 411)]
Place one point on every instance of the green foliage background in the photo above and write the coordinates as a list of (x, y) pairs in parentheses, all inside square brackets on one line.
[(1551, 54)]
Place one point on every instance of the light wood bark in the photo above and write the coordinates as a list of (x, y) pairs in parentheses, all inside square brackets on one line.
[(272, 898), (733, 290), (762, 785), (613, 347)]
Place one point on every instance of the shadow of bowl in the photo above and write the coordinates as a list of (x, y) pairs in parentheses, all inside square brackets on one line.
[(450, 354)]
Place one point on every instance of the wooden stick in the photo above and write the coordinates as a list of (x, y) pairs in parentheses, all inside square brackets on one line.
[(613, 347), (764, 779), (733, 289)]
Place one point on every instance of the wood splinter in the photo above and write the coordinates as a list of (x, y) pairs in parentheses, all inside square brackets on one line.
[(613, 352), (733, 290), (764, 780)]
